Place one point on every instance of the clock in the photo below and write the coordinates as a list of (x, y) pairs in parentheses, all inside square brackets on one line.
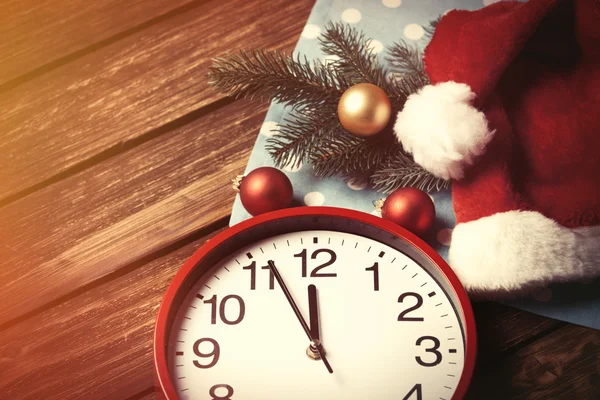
[(315, 303)]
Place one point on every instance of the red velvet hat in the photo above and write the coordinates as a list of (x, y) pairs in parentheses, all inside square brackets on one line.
[(512, 116)]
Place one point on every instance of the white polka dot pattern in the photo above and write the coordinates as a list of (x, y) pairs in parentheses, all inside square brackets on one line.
[(269, 128), (414, 31), (357, 183), (311, 31), (375, 45), (351, 16), (314, 199), (392, 3)]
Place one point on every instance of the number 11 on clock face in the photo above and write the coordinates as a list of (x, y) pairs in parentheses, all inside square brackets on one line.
[(387, 327)]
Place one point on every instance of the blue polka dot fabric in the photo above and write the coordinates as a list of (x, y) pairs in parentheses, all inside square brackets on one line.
[(386, 22)]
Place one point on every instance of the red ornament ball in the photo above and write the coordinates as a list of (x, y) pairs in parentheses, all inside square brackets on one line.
[(411, 209), (265, 189)]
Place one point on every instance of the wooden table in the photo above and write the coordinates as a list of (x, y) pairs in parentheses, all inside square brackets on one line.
[(115, 164)]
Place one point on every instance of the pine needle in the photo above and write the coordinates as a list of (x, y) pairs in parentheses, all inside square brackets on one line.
[(300, 134), (405, 59), (401, 171), (404, 85), (357, 60), (430, 30), (347, 155), (271, 75)]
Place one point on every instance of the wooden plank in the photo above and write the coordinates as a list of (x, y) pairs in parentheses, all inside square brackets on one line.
[(500, 327), (95, 346), (85, 227), (37, 32), (138, 84), (562, 365), (154, 395)]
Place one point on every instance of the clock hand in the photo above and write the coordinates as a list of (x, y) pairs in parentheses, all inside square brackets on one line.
[(313, 342), (313, 312)]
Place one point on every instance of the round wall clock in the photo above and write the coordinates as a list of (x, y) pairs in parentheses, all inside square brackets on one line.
[(315, 303)]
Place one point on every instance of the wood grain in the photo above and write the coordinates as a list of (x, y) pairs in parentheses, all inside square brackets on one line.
[(562, 365), (95, 346), (500, 327), (155, 395), (131, 87), (37, 32), (85, 227)]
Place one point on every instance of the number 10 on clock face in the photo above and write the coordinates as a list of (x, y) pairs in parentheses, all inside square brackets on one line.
[(388, 328)]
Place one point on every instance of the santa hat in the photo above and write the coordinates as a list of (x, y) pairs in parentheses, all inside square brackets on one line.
[(512, 116)]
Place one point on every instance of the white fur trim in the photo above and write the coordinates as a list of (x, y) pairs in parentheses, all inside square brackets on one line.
[(517, 250), (442, 130)]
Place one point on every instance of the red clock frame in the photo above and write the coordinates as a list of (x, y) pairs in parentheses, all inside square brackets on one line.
[(161, 328)]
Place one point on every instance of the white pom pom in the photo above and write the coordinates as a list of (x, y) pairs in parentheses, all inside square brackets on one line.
[(442, 130)]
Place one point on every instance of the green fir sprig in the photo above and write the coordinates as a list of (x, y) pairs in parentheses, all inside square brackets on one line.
[(357, 59), (268, 75), (311, 133)]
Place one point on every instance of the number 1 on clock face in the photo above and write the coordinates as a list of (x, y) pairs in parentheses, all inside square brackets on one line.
[(387, 326)]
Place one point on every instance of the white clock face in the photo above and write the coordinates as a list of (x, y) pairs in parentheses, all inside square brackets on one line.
[(388, 329)]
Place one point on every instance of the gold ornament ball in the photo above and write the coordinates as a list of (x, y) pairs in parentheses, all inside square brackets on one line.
[(364, 110)]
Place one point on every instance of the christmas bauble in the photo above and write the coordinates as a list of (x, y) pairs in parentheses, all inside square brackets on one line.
[(364, 109), (265, 189), (410, 208)]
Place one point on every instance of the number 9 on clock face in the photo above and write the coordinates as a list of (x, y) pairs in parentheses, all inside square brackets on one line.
[(391, 317)]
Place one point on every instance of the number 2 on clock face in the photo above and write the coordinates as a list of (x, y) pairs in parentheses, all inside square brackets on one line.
[(388, 327)]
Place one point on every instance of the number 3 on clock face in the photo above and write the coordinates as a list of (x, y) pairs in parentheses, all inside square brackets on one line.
[(390, 325)]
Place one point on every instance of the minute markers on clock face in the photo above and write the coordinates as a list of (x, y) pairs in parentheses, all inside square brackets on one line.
[(385, 333)]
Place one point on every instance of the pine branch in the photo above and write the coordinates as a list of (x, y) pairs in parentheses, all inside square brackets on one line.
[(401, 171), (430, 30), (357, 61), (408, 72), (348, 155), (404, 85), (275, 76), (300, 134), (313, 132), (405, 59)]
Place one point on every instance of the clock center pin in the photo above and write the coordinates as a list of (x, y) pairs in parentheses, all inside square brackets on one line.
[(312, 352)]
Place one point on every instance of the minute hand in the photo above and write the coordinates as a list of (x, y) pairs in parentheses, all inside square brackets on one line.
[(288, 296)]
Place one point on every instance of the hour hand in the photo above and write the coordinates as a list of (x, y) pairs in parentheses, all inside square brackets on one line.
[(313, 312)]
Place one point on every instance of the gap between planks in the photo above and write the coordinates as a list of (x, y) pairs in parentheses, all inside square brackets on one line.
[(152, 393), (73, 51)]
